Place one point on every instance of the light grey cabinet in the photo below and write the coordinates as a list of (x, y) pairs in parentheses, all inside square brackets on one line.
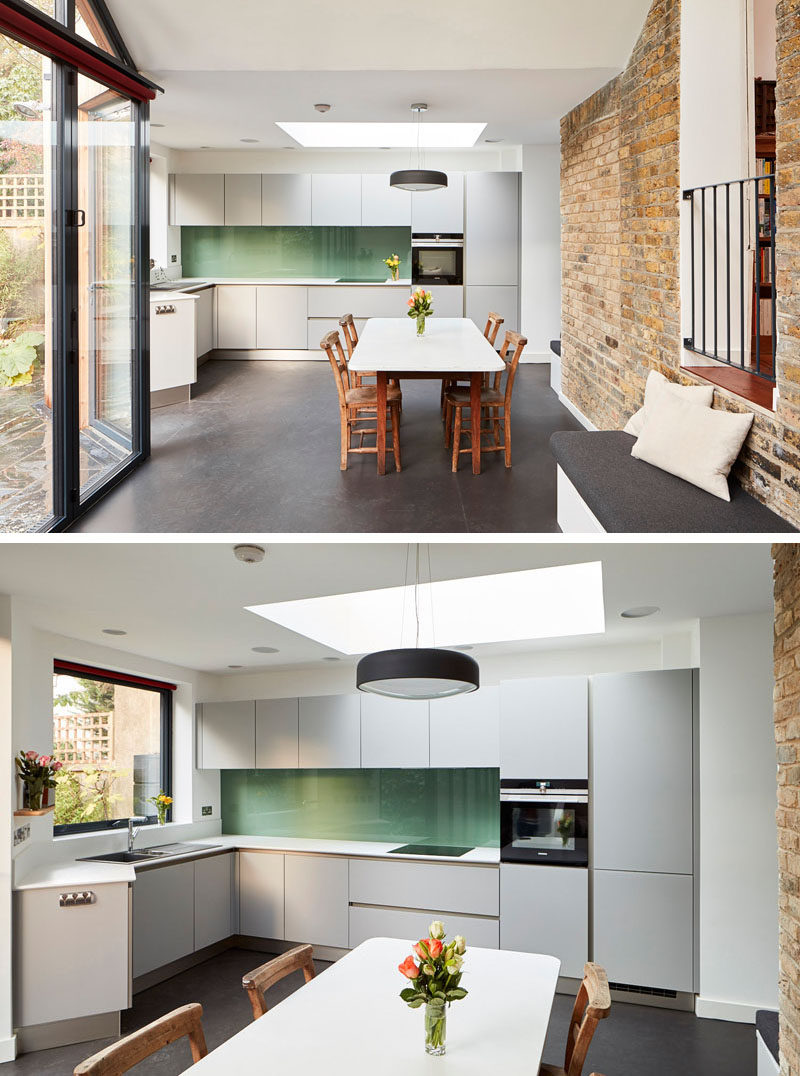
[(544, 728), (546, 910), (473, 890), (277, 731), (261, 895), (642, 928), (448, 300), (387, 301), (213, 890), (236, 316), (204, 322), (226, 735), (502, 298), (163, 916), (465, 730), (336, 199), (317, 900), (491, 232), (367, 923), (281, 316), (394, 733), (243, 199), (285, 200), (198, 199), (642, 771), (439, 211), (330, 732), (383, 206)]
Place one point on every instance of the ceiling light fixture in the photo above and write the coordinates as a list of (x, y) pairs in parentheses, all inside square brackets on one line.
[(249, 554), (419, 178), (418, 672), (331, 658), (156, 124), (248, 139), (636, 612), (322, 107), (264, 649), (236, 666), (114, 631)]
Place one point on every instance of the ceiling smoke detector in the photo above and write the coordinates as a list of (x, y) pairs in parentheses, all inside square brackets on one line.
[(322, 107), (249, 554)]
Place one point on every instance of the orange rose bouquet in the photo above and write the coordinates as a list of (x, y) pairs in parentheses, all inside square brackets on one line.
[(420, 307), (435, 978)]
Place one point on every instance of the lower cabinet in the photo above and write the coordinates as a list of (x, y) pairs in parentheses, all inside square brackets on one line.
[(468, 889), (213, 890), (204, 321), (163, 923), (448, 300), (281, 317), (413, 924), (316, 900), (236, 316), (261, 894), (546, 910), (643, 928)]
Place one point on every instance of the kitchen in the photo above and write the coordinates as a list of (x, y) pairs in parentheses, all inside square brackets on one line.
[(579, 803)]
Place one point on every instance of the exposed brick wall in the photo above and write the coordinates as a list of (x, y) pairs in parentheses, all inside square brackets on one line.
[(620, 205), (787, 736)]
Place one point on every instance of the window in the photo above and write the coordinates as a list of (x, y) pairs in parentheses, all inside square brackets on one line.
[(113, 735)]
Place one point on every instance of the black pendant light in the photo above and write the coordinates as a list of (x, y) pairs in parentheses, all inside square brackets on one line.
[(418, 672), (419, 178)]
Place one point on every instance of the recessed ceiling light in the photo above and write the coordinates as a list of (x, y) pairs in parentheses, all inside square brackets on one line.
[(493, 141), (236, 666), (381, 135), (468, 647), (264, 649), (540, 603), (249, 140), (636, 612), (322, 107), (249, 554), (205, 147), (156, 124), (114, 631), (331, 659)]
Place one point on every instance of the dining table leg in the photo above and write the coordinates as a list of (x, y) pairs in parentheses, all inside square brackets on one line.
[(475, 385), (380, 421)]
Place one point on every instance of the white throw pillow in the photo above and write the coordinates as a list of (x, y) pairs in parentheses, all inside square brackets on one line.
[(695, 443), (657, 384)]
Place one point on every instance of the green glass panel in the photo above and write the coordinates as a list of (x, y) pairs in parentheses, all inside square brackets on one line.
[(294, 252), (421, 806)]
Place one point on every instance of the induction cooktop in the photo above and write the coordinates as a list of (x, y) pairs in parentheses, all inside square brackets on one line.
[(430, 850)]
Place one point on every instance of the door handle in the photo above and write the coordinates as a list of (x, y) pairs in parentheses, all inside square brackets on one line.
[(79, 218)]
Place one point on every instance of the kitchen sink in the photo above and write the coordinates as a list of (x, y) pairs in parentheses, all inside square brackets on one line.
[(122, 857), (159, 852)]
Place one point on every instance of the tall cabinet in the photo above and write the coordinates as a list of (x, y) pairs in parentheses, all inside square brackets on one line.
[(491, 252)]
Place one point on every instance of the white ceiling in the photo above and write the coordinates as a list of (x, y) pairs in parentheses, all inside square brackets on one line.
[(184, 602), (231, 69)]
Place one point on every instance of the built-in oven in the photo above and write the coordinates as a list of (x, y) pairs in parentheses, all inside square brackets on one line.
[(437, 259), (544, 822)]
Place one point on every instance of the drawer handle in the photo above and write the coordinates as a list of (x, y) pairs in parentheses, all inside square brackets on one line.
[(73, 900), (165, 309)]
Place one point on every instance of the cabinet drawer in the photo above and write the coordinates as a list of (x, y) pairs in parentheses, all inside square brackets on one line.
[(402, 923), (376, 302), (474, 890)]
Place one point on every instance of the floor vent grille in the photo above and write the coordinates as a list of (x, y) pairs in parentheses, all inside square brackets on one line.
[(653, 991)]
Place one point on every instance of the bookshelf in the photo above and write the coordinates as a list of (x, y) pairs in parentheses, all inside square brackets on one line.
[(764, 113)]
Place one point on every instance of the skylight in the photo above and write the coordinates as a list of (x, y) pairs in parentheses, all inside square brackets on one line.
[(541, 603), (332, 135)]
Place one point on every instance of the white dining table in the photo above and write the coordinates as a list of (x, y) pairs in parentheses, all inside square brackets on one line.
[(350, 1021), (450, 347)]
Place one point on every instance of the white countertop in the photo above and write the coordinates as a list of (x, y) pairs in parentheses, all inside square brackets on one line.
[(189, 285), (76, 874)]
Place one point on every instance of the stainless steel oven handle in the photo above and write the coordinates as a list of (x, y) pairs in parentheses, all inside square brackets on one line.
[(516, 797)]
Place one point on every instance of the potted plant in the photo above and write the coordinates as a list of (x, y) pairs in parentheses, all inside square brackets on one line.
[(435, 982), (37, 773)]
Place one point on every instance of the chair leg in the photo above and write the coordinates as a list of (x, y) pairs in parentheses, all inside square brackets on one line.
[(396, 436), (507, 435), (456, 438), (344, 426), (447, 422)]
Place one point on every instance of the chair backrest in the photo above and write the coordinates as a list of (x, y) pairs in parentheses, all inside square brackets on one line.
[(493, 323), (265, 976), (123, 1055), (592, 1004), (516, 344), (350, 333), (331, 344)]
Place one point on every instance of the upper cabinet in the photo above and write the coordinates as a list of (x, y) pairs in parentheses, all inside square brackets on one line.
[(439, 211), (285, 200), (277, 734), (544, 728), (394, 733), (491, 236), (243, 199), (330, 733), (383, 206), (198, 199), (336, 199), (465, 730), (226, 735)]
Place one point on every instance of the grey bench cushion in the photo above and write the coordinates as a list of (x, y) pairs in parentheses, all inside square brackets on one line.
[(629, 495), (767, 1027), (555, 347)]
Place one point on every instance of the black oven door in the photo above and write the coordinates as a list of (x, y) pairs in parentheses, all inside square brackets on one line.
[(554, 833), (437, 264)]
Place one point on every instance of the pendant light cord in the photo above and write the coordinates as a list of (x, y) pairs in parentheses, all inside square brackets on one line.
[(416, 597), (430, 592)]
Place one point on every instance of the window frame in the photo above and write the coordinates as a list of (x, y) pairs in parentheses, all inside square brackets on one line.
[(165, 690)]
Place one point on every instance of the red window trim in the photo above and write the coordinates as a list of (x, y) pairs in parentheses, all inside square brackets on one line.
[(111, 677), (40, 37)]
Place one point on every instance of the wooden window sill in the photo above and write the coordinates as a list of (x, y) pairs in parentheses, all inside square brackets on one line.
[(755, 390)]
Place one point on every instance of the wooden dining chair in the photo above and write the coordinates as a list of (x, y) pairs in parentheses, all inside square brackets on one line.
[(257, 982), (493, 323), (359, 405), (592, 1005), (123, 1055), (350, 333), (494, 399)]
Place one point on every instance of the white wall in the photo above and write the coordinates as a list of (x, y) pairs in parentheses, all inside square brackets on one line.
[(765, 36), (380, 161), (165, 239), (738, 907), (540, 246), (7, 805)]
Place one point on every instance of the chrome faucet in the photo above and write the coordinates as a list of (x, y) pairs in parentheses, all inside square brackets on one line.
[(133, 832)]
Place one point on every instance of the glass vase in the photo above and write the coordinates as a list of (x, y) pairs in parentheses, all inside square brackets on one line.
[(395, 274), (420, 324), (435, 1028)]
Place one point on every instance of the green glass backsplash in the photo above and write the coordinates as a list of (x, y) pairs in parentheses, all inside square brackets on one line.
[(293, 252), (420, 806)]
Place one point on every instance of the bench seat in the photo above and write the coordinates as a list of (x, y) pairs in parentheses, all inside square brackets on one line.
[(767, 1042), (626, 495)]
